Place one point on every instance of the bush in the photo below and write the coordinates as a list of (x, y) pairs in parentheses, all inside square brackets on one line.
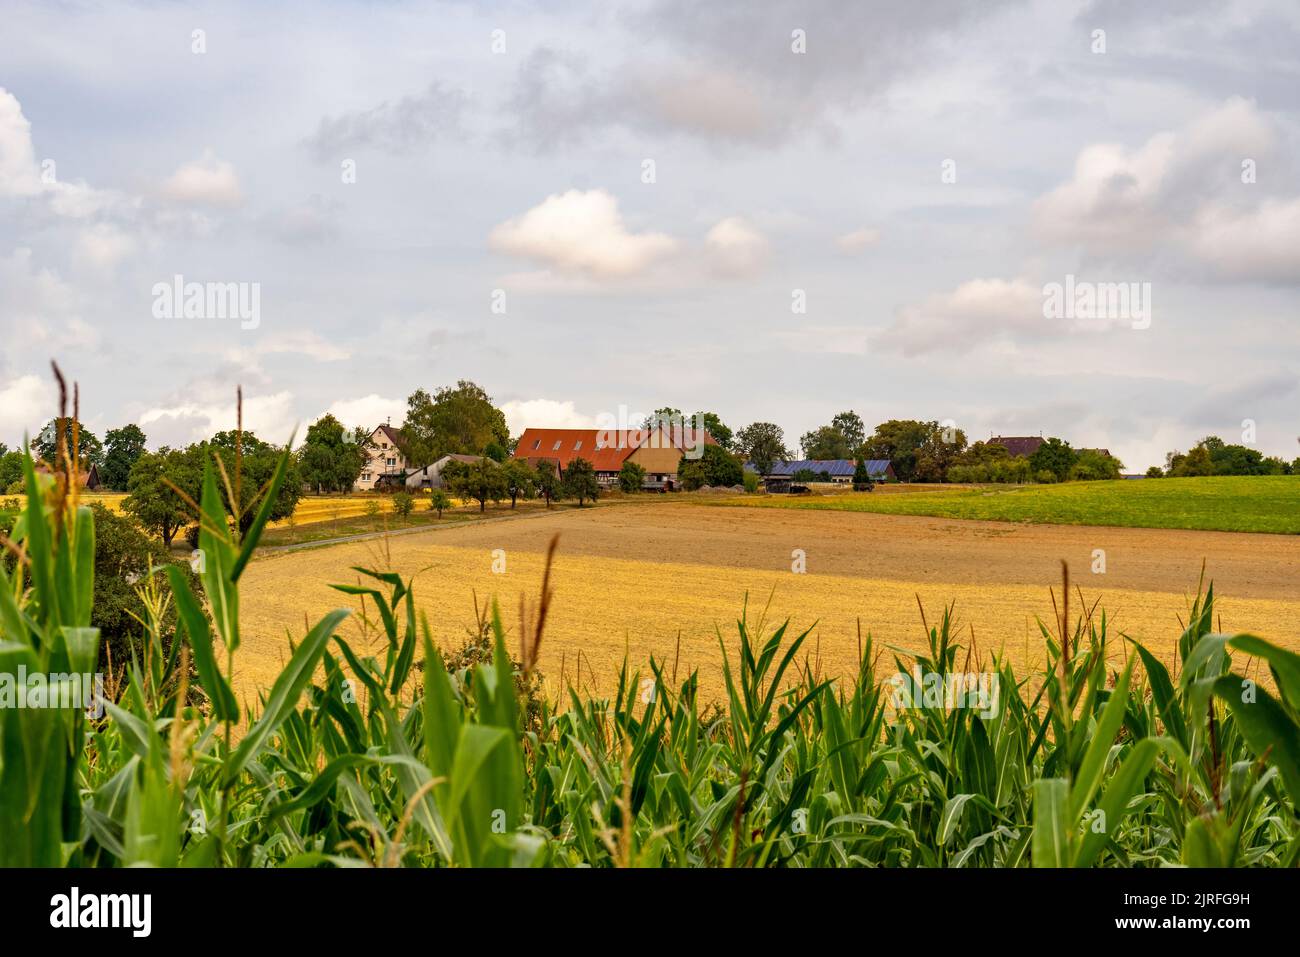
[(124, 557), (1045, 477), (751, 481), (691, 476), (403, 502), (439, 501), (631, 477)]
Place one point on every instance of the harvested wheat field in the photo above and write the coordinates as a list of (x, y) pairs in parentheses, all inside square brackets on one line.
[(631, 577)]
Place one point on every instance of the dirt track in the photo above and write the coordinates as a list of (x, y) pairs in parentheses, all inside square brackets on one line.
[(630, 577)]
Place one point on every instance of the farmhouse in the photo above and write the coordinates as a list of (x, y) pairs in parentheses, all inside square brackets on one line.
[(430, 476), (659, 450), (1018, 445), (840, 471), (384, 458)]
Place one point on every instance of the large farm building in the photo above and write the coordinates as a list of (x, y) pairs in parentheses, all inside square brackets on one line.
[(659, 450)]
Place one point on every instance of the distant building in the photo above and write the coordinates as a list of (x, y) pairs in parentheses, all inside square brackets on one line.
[(383, 458), (430, 477), (1018, 445), (659, 450), (840, 470)]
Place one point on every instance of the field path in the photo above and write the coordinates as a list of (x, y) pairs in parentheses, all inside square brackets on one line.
[(630, 578)]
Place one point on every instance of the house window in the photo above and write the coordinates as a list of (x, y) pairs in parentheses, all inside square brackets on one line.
[(392, 461), (537, 443), (577, 445), (556, 447)]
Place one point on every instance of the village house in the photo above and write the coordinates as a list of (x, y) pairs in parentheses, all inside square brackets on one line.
[(659, 450), (1018, 445), (383, 458)]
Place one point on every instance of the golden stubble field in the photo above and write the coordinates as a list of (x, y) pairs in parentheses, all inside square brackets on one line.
[(629, 578)]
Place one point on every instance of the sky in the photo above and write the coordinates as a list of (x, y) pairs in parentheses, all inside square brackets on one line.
[(774, 210)]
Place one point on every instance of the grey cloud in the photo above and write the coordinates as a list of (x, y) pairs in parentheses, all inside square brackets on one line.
[(726, 72), (411, 124)]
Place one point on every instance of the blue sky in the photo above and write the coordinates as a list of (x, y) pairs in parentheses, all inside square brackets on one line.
[(515, 161)]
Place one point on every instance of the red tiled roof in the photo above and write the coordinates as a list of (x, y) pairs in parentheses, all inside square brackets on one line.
[(605, 449)]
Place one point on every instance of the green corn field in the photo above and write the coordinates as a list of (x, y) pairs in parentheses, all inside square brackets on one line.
[(418, 756)]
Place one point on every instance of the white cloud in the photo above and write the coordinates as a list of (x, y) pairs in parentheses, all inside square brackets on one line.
[(736, 248), (25, 404), (583, 234), (544, 414), (976, 313), (1261, 243), (302, 342), (19, 172), (858, 240), (204, 182), (368, 411), (1182, 191), (271, 417), (103, 246), (22, 176)]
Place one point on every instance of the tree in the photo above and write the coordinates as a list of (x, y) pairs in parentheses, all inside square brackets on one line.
[(124, 556), (520, 480), (708, 420), (918, 451), (121, 448), (439, 501), (11, 469), (1053, 456), (460, 420), (861, 477), (666, 414), (721, 467), (716, 428), (1195, 463), (692, 475), (330, 459), (153, 501), (763, 444), (849, 424), (580, 481), (1091, 465), (403, 502), (826, 442), (89, 450), (631, 477), (258, 462), (476, 481), (1155, 471), (548, 483)]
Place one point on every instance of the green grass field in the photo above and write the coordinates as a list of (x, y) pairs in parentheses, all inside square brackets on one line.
[(1219, 503)]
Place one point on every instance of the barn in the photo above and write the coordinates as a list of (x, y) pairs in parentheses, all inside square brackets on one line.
[(659, 450), (839, 471)]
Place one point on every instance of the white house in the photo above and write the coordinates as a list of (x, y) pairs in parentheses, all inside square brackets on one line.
[(383, 458)]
